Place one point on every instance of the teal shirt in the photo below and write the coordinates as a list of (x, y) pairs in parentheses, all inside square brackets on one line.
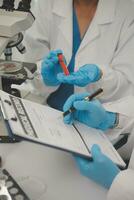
[(57, 99)]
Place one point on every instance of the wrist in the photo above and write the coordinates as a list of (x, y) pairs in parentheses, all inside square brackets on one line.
[(114, 174), (112, 119), (109, 122), (99, 74), (50, 82)]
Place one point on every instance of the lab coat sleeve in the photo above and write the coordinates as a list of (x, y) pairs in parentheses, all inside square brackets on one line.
[(125, 108), (39, 87), (122, 187), (117, 80), (37, 44)]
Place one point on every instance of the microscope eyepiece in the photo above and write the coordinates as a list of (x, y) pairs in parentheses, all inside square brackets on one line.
[(8, 5), (24, 5)]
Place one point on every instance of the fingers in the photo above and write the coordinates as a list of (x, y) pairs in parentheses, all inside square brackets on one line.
[(93, 106), (82, 163), (85, 165), (93, 72), (76, 97), (96, 152), (83, 105), (84, 76), (55, 53), (69, 119), (71, 79), (76, 78), (51, 61), (52, 58)]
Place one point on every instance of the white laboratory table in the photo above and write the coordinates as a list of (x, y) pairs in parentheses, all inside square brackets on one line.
[(48, 174)]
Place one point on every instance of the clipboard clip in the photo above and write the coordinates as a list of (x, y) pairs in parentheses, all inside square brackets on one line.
[(6, 135)]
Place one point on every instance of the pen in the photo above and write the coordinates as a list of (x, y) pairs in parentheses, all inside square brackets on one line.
[(62, 64), (88, 98)]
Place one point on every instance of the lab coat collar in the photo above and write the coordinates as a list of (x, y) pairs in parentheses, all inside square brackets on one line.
[(62, 8), (104, 15), (105, 12)]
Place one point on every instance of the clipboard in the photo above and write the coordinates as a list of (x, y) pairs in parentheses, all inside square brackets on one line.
[(44, 125)]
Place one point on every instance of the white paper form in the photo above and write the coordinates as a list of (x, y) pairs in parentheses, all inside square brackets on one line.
[(92, 136)]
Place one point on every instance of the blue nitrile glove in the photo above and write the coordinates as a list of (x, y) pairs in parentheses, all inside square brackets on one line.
[(50, 68), (90, 113), (85, 75), (102, 170)]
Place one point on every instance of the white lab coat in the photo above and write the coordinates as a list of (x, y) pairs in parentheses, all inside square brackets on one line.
[(109, 42), (123, 185)]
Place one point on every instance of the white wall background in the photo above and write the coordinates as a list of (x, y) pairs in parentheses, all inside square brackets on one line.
[(17, 1)]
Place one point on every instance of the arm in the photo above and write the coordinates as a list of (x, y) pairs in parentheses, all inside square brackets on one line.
[(122, 186), (103, 117), (115, 77), (104, 172), (91, 113), (101, 170), (37, 43)]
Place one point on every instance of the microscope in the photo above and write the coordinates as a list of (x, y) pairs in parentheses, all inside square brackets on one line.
[(13, 22)]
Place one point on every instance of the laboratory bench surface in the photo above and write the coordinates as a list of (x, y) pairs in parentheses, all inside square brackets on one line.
[(48, 174)]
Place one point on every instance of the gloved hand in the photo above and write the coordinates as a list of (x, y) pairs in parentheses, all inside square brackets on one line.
[(50, 68), (101, 170), (85, 75), (90, 113)]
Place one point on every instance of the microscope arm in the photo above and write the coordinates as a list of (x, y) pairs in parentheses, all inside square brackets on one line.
[(11, 24), (3, 43)]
